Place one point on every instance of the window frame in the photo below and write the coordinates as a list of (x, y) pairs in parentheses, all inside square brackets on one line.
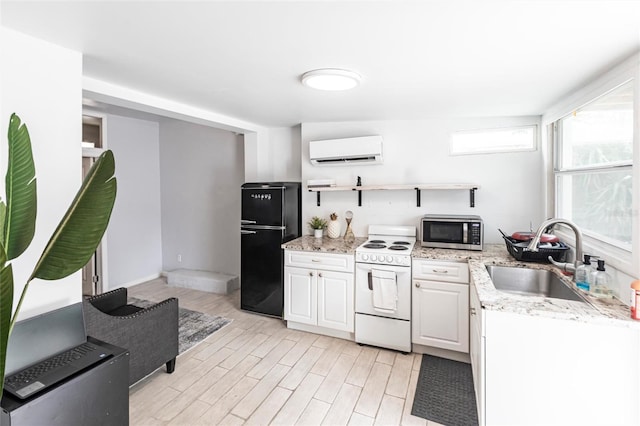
[(619, 255), (533, 148)]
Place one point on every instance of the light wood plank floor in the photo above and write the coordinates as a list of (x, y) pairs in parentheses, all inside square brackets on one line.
[(256, 371)]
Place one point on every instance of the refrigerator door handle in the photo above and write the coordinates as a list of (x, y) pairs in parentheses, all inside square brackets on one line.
[(264, 227), (243, 232)]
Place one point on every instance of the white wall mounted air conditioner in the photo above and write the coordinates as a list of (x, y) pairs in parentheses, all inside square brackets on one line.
[(346, 151)]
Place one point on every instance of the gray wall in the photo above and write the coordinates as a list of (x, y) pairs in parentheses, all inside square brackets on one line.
[(134, 233), (201, 169)]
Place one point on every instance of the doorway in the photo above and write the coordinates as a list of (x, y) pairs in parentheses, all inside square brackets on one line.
[(93, 138)]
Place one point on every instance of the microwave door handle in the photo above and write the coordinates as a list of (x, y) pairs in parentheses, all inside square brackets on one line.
[(465, 233)]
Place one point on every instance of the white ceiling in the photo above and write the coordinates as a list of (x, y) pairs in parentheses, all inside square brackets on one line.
[(417, 58)]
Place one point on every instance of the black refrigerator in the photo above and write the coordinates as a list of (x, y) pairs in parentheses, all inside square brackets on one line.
[(271, 216)]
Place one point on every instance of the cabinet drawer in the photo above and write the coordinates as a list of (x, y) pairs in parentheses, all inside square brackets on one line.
[(453, 272), (324, 261)]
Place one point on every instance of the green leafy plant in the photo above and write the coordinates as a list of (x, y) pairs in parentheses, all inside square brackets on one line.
[(317, 223), (73, 242)]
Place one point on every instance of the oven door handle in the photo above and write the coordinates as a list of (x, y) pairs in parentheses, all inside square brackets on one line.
[(370, 279)]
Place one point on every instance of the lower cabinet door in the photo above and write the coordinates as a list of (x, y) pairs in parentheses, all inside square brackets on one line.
[(300, 295), (476, 350), (440, 315), (335, 300)]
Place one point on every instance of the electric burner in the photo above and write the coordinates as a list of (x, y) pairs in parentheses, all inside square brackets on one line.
[(401, 243), (377, 241), (396, 247), (373, 245)]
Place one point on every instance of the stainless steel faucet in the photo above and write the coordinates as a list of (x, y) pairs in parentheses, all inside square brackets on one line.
[(549, 223)]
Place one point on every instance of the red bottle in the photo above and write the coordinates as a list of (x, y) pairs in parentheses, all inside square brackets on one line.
[(635, 303)]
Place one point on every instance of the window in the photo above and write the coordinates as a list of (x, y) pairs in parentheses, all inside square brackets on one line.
[(594, 164), (493, 140)]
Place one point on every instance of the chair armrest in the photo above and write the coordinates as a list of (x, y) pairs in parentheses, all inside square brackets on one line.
[(151, 334)]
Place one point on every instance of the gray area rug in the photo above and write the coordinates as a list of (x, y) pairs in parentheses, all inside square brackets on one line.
[(444, 393), (193, 326)]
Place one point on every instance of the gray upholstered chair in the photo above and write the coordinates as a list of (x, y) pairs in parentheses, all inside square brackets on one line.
[(150, 334)]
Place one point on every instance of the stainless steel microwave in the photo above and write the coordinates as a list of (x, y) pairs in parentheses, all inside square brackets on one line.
[(452, 232)]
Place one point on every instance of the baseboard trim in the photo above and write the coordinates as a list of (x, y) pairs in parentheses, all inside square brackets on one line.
[(140, 280), (442, 353), (321, 330)]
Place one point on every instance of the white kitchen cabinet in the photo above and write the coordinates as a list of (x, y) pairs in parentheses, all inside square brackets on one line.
[(534, 370), (300, 295), (477, 349), (319, 290), (335, 300), (440, 305)]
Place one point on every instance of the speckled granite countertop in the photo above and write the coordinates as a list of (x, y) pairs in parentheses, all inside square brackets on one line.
[(324, 244), (602, 311)]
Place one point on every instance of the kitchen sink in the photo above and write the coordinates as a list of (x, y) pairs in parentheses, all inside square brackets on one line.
[(531, 282)]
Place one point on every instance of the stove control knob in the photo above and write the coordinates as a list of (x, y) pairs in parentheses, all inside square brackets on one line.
[(374, 257), (389, 259), (365, 256)]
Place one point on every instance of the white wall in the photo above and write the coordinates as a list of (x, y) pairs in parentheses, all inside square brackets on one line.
[(201, 169), (284, 154), (42, 83), (510, 194), (134, 242), (273, 155), (286, 158)]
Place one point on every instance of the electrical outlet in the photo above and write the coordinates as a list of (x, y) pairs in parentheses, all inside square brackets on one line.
[(179, 258)]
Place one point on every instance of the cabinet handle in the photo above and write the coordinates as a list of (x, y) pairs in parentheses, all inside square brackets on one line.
[(316, 260), (417, 284), (310, 274), (320, 274), (472, 311), (440, 271)]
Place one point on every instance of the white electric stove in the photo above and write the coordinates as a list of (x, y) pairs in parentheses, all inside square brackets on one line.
[(387, 252)]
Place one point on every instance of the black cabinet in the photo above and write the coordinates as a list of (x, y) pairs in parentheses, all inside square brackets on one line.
[(97, 396)]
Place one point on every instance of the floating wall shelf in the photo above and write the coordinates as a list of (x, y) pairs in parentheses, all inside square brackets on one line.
[(418, 188)]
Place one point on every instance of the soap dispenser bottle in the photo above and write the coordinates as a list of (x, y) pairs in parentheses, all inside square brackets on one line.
[(600, 281), (583, 274)]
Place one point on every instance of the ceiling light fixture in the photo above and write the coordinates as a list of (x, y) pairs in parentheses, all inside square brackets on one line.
[(331, 79)]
